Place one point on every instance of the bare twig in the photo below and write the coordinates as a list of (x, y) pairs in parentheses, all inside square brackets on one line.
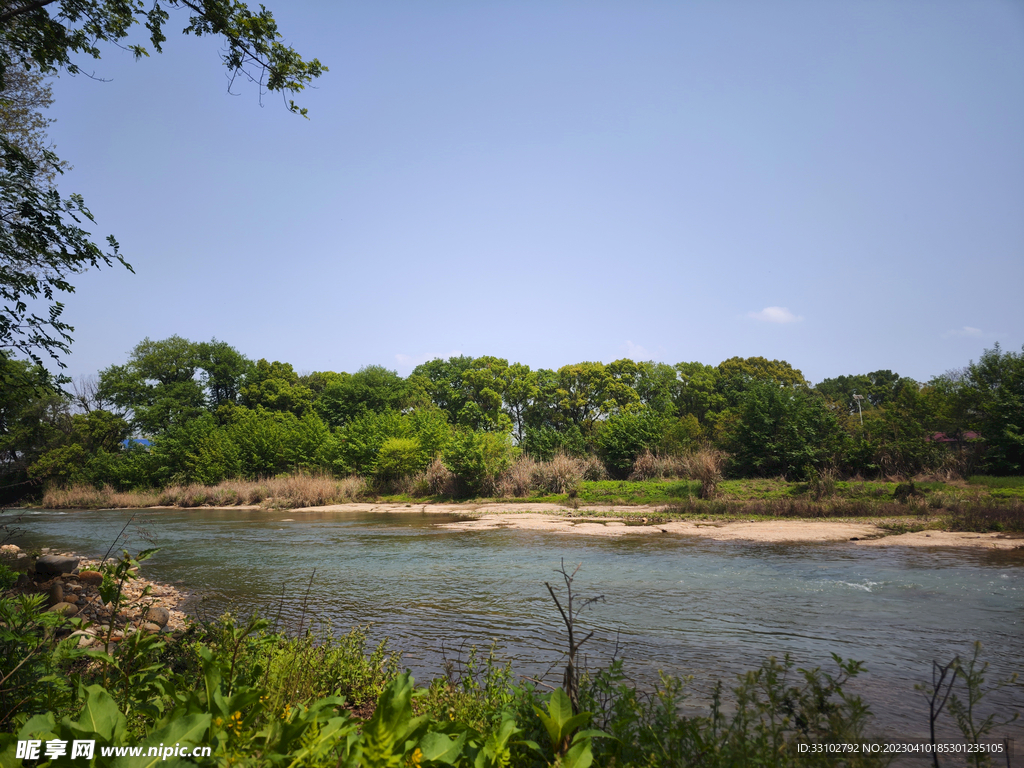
[(571, 679)]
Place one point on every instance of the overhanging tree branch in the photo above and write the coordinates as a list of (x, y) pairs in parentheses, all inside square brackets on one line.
[(28, 8)]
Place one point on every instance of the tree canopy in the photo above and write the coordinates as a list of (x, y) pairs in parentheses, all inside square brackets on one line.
[(48, 35), (43, 240)]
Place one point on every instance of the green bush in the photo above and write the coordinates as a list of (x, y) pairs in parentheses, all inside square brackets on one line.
[(477, 458), (625, 436), (399, 457)]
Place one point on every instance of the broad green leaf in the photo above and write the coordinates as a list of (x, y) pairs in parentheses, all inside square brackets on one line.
[(439, 748), (580, 755), (100, 715), (38, 726), (186, 731)]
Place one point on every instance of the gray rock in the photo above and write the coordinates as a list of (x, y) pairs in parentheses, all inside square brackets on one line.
[(158, 615), (56, 565), (56, 594)]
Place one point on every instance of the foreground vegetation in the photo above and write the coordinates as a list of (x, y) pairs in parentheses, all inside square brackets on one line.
[(259, 698)]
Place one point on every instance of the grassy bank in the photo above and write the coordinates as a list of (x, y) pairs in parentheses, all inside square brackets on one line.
[(983, 504)]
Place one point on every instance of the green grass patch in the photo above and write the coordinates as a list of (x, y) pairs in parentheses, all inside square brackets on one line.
[(636, 492), (997, 482)]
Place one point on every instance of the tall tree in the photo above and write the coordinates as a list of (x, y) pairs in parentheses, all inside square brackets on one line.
[(276, 387), (42, 240), (877, 388), (373, 388), (224, 371), (157, 387), (26, 93), (783, 431), (998, 380), (42, 243), (48, 35)]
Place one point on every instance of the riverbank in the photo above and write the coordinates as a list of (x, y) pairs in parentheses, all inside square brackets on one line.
[(928, 506), (71, 584), (633, 521), (739, 522)]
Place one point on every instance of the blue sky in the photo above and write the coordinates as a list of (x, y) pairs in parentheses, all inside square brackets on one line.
[(840, 185)]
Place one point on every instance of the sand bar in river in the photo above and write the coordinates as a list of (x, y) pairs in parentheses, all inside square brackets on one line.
[(557, 519)]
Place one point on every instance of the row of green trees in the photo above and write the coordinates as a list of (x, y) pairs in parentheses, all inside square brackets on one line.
[(210, 413)]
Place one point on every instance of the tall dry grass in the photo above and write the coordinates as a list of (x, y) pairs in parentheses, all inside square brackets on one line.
[(706, 466), (651, 466), (517, 480), (562, 474), (792, 508), (440, 480), (87, 497), (284, 492)]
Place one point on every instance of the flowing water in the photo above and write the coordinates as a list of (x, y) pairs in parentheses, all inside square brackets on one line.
[(684, 605)]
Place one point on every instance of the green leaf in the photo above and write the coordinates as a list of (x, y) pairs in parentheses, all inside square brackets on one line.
[(186, 730), (100, 716), (39, 726), (559, 720), (580, 755), (439, 748)]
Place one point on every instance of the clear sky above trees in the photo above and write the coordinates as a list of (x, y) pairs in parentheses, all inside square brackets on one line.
[(837, 185)]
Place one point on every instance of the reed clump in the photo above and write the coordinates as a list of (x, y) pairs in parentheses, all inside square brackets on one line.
[(440, 480), (706, 465), (652, 466), (517, 480), (562, 474), (285, 492), (89, 497)]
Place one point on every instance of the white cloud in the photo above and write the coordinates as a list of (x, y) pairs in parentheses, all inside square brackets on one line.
[(636, 351), (775, 315), (967, 332)]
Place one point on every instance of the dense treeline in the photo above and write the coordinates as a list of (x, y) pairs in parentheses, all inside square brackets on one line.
[(185, 412)]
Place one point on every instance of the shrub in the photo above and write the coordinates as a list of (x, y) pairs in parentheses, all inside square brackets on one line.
[(399, 457), (517, 480), (649, 466), (440, 480), (560, 475), (627, 435), (478, 458), (705, 465)]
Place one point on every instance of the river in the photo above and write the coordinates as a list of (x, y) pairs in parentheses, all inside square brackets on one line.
[(684, 605)]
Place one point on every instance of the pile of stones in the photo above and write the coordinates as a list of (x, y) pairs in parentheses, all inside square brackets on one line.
[(71, 585)]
